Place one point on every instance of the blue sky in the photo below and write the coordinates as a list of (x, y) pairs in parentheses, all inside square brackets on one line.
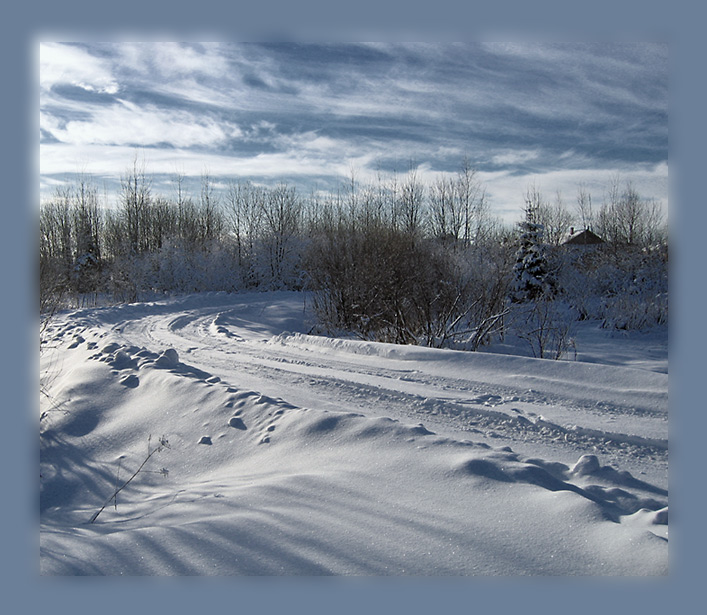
[(550, 115)]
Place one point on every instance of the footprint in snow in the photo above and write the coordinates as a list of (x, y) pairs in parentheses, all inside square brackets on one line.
[(77, 340), (238, 423), (205, 440), (110, 348), (131, 381)]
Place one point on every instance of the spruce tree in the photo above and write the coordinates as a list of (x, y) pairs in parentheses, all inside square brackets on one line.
[(531, 276)]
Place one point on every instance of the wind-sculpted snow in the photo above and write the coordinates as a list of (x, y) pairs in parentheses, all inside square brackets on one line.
[(297, 455)]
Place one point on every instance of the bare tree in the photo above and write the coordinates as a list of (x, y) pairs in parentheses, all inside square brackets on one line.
[(555, 219), (472, 207), (281, 211), (245, 205), (70, 238), (446, 221), (135, 196), (211, 219), (625, 218), (584, 207), (163, 222), (56, 247), (187, 215), (412, 203), (54, 257)]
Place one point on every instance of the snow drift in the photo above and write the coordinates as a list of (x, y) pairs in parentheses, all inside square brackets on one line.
[(290, 454)]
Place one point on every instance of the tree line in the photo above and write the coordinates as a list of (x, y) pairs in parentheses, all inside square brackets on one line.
[(394, 260)]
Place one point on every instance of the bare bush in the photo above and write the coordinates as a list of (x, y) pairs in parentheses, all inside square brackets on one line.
[(624, 288), (546, 325), (388, 285), (163, 443)]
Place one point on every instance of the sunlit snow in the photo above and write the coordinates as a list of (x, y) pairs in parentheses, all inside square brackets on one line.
[(291, 454)]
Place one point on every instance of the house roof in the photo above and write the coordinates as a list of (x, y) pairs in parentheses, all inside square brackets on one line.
[(582, 238)]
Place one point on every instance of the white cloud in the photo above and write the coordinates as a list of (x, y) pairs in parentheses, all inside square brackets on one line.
[(512, 157), (176, 59), (127, 124), (169, 60), (111, 161), (66, 64), (311, 143), (262, 100)]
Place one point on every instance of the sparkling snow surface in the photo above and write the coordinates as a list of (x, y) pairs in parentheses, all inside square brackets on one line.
[(291, 454)]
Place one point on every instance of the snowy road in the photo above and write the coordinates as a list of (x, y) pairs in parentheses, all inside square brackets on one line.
[(570, 408)]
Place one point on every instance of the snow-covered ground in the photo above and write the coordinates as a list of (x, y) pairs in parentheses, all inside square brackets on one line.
[(291, 454)]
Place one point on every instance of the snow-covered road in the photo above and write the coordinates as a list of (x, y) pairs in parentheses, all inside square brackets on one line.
[(572, 408)]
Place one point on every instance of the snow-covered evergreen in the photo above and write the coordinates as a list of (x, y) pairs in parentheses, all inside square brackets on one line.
[(532, 279)]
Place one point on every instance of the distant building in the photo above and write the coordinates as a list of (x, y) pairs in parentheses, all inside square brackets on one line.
[(582, 238)]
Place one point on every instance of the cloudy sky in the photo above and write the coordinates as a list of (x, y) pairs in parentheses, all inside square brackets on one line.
[(548, 115)]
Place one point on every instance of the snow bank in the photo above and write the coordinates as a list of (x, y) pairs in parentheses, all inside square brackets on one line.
[(583, 382)]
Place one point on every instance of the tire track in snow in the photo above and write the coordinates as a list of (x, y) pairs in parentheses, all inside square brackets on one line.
[(276, 366)]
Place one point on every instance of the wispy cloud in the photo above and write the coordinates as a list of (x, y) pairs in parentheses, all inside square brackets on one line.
[(517, 111), (514, 157), (67, 64), (126, 123), (174, 60)]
